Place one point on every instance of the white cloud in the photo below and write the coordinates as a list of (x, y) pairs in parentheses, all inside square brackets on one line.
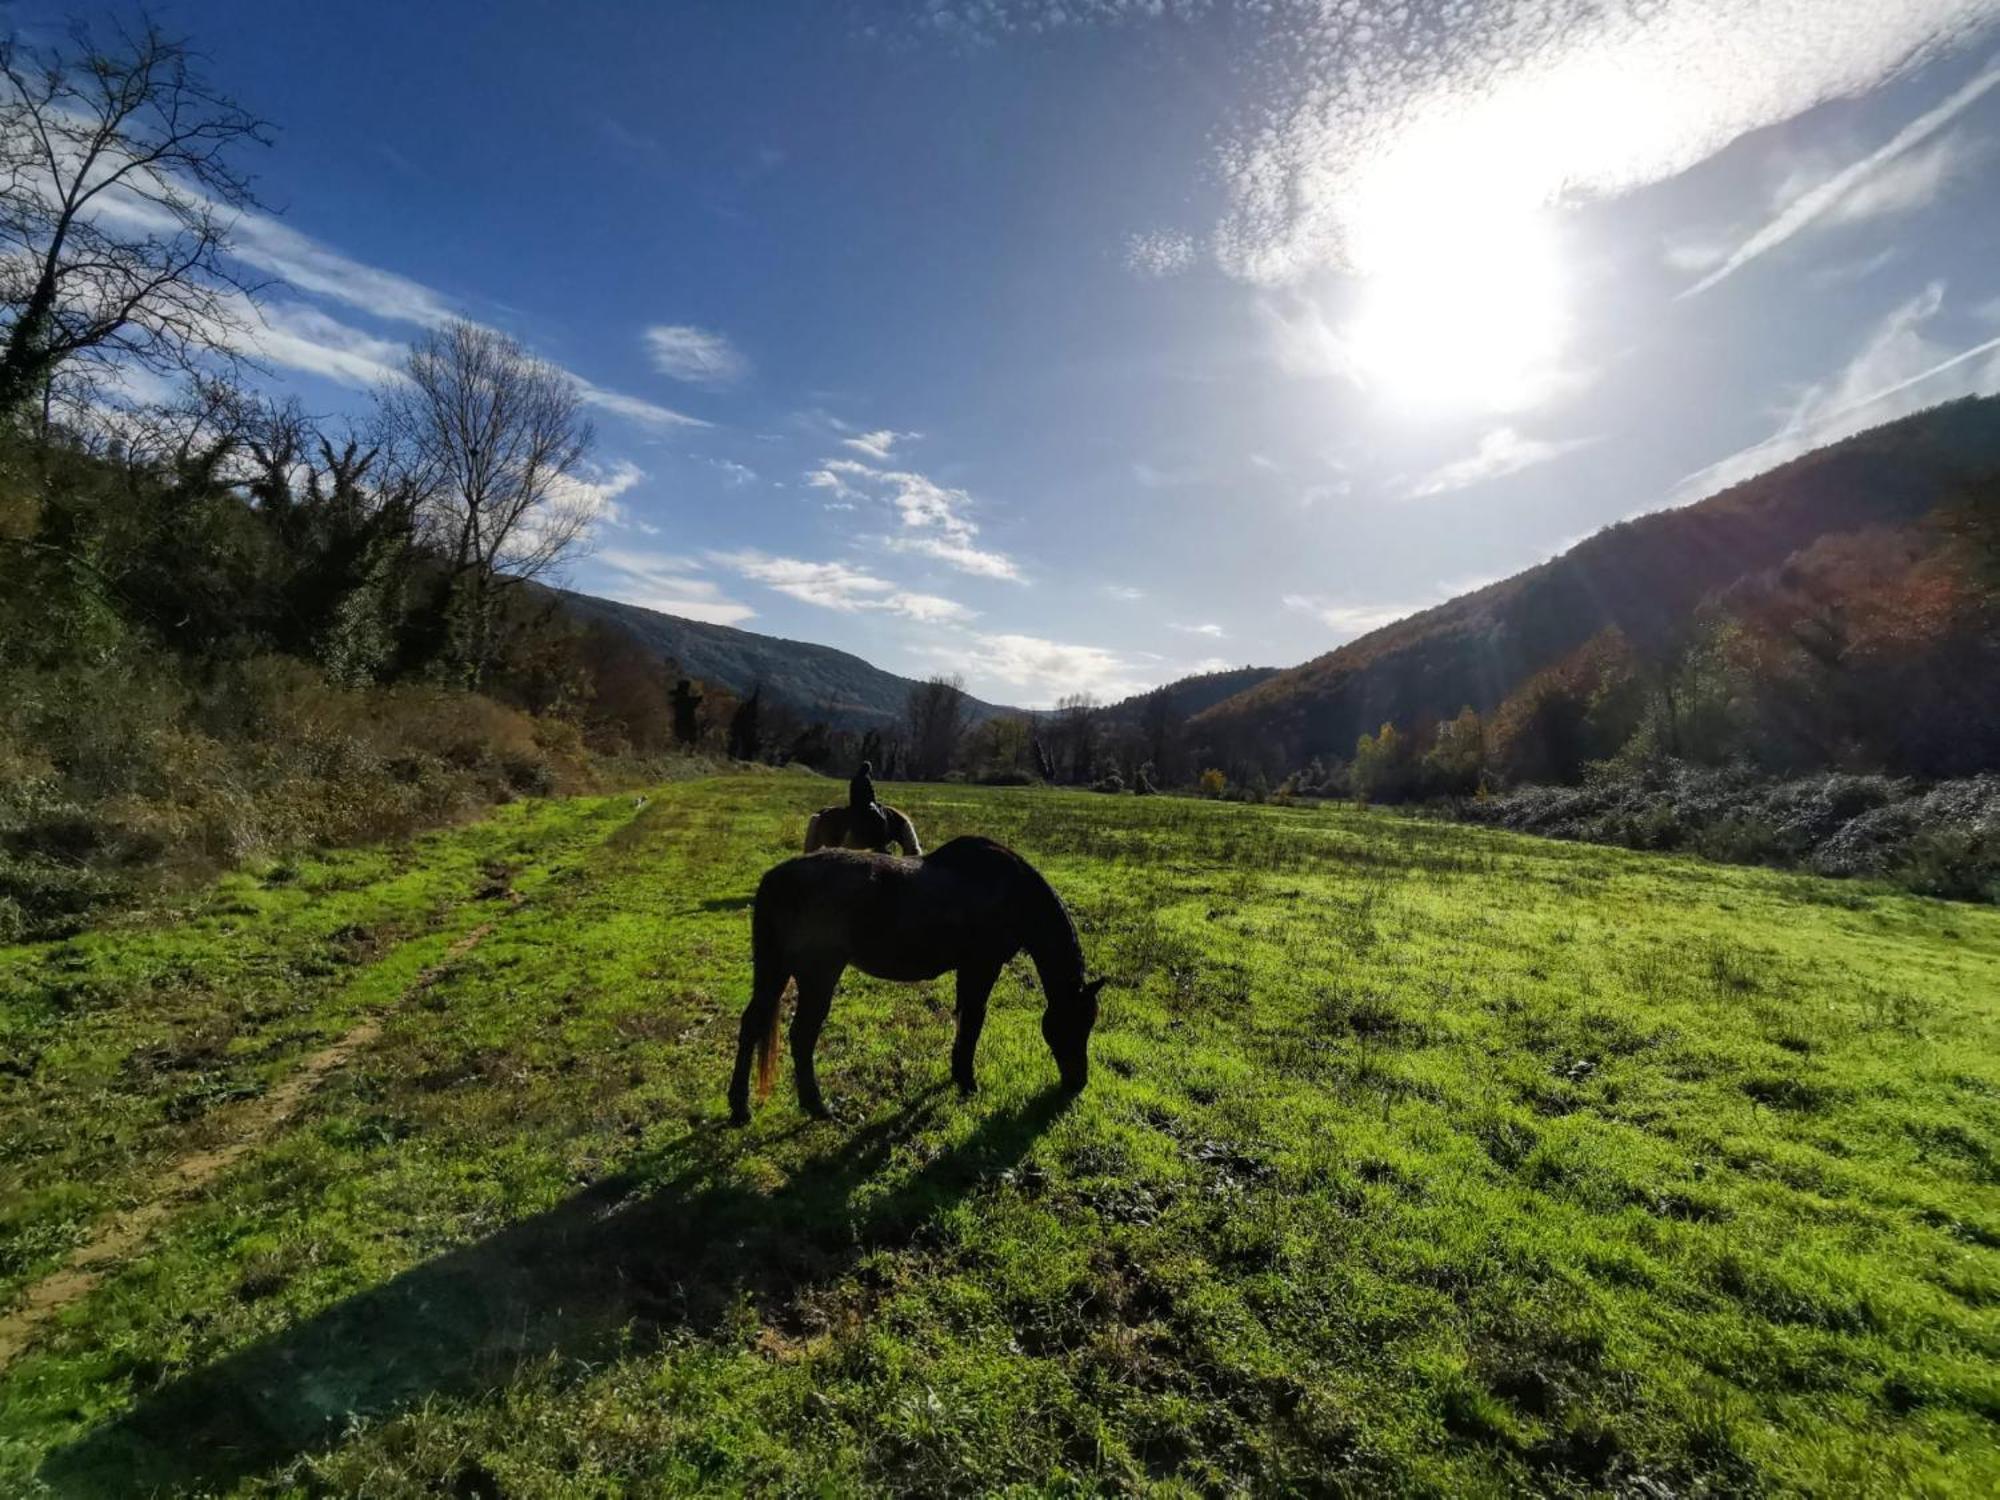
[(658, 581), (876, 444), (1349, 620), (1501, 452), (1913, 181), (735, 475), (1124, 593), (1897, 371), (831, 585), (929, 609), (299, 337), (1208, 630), (633, 408), (1694, 254), (1879, 182), (1041, 671), (1512, 106), (958, 553), (597, 490), (839, 586), (695, 355), (935, 513), (1161, 253), (310, 266)]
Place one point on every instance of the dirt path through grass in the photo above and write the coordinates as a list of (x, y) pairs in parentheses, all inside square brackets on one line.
[(242, 1128)]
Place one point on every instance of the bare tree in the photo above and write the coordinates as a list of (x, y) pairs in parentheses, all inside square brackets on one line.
[(492, 436), (1076, 731), (118, 190), (936, 716)]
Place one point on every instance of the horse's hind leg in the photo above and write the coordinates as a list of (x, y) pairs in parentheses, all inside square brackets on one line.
[(759, 1026), (808, 1018)]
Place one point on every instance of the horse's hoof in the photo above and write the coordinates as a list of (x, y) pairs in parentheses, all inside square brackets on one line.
[(821, 1112), (966, 1088), (739, 1116)]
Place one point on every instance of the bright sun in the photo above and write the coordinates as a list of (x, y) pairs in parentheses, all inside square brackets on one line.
[(1460, 300)]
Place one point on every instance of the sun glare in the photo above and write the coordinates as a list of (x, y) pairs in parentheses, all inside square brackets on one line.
[(1460, 300)]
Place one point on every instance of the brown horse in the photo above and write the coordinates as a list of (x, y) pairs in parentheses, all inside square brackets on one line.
[(831, 828), (970, 906)]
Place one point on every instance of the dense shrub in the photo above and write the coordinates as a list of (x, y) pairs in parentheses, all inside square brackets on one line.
[(1007, 777), (124, 774), (1942, 840)]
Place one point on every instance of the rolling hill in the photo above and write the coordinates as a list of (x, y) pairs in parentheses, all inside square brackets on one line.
[(818, 681), (1645, 576), (1188, 696)]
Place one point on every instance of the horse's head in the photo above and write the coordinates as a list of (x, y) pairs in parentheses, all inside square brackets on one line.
[(1066, 1026)]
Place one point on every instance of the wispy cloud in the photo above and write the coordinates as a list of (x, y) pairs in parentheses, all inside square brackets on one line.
[(1349, 620), (934, 517), (1037, 671), (1882, 181), (596, 489), (1214, 631), (1161, 253), (310, 266), (634, 408), (840, 586), (697, 356), (1899, 369), (877, 444), (669, 584), (299, 337), (1501, 452), (1124, 593)]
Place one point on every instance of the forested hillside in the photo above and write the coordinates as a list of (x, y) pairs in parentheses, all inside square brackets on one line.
[(1643, 580), (818, 682)]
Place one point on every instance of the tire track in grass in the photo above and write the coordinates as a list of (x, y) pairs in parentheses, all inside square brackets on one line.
[(244, 1127)]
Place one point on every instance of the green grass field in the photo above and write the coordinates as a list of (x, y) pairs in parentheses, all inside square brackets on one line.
[(1416, 1158)]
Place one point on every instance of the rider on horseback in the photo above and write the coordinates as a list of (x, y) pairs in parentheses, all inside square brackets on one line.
[(866, 824)]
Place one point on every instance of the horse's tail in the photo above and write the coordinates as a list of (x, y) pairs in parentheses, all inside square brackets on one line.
[(769, 984)]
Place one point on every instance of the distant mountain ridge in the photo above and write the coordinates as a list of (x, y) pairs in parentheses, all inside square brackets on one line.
[(1646, 577), (820, 682), (846, 691)]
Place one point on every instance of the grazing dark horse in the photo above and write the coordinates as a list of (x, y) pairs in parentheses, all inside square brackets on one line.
[(970, 906), (833, 828)]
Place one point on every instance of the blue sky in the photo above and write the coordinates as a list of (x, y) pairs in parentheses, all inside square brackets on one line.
[(1080, 344)]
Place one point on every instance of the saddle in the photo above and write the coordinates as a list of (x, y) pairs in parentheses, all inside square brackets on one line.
[(867, 825)]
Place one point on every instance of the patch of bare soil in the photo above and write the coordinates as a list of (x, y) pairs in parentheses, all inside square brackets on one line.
[(242, 1128)]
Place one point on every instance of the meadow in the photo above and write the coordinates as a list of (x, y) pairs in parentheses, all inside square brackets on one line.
[(1417, 1158)]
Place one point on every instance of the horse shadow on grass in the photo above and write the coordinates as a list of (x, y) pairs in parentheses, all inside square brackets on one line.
[(619, 1265)]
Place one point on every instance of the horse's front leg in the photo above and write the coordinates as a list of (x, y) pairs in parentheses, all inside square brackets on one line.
[(815, 1000), (975, 985)]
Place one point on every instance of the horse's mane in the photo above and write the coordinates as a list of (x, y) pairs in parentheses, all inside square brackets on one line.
[(973, 849)]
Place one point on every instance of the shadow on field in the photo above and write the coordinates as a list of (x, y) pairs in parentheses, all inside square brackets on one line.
[(653, 1255)]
